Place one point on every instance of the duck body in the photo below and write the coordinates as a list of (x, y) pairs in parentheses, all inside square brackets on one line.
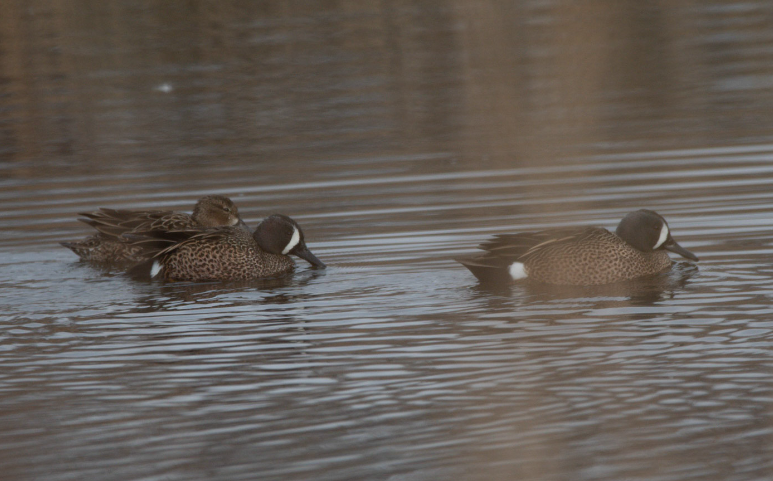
[(100, 249), (109, 246), (225, 253), (580, 256)]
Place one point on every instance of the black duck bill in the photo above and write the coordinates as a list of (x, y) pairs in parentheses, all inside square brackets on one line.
[(304, 253), (673, 246), (242, 225)]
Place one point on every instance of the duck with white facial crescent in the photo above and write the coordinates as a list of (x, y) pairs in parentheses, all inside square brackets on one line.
[(228, 253), (580, 255)]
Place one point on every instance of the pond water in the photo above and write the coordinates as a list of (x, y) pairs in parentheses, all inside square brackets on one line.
[(399, 135)]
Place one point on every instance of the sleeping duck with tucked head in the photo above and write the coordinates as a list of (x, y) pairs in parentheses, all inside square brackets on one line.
[(109, 246)]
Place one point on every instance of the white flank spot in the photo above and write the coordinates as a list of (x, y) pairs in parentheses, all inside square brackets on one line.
[(518, 271), (293, 241), (164, 87), (663, 236), (157, 266)]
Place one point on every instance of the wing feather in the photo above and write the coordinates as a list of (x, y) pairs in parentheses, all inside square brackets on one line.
[(512, 247), (117, 223)]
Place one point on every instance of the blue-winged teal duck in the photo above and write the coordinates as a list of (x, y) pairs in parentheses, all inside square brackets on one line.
[(109, 247), (226, 253), (581, 255)]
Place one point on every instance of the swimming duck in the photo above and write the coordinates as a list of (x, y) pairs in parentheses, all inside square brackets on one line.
[(227, 253), (108, 246), (580, 255)]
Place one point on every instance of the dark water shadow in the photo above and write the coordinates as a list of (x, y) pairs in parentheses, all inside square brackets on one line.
[(274, 291)]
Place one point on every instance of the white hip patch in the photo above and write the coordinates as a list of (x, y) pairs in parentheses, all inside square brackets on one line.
[(296, 238), (663, 236), (518, 271), (155, 269)]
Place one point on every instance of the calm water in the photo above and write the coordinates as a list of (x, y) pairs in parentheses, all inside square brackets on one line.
[(399, 135)]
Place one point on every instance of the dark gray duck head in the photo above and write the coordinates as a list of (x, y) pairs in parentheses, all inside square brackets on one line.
[(217, 210), (647, 231), (279, 234)]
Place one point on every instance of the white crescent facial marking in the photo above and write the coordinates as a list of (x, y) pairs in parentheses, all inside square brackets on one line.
[(663, 236), (293, 241), (157, 266), (517, 271)]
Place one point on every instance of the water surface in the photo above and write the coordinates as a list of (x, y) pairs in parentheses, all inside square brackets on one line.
[(399, 135)]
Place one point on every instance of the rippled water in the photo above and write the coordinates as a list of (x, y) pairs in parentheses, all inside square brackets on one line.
[(399, 136)]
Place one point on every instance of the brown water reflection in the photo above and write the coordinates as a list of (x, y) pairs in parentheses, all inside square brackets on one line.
[(399, 135)]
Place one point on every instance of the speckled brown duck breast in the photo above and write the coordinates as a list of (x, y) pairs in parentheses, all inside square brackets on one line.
[(580, 256), (109, 246), (229, 253)]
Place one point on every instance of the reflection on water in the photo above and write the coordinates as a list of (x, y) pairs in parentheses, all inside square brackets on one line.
[(400, 135)]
